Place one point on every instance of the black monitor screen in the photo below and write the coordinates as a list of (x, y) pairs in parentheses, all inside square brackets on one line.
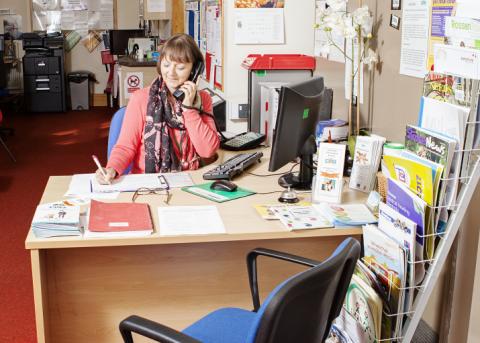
[(118, 40), (299, 110)]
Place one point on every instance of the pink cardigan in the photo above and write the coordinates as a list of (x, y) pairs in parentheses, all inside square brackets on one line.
[(130, 145)]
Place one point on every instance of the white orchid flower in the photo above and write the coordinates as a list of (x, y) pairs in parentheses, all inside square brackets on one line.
[(370, 58), (361, 17), (348, 30)]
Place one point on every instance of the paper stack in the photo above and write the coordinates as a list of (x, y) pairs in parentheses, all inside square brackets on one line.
[(56, 219)]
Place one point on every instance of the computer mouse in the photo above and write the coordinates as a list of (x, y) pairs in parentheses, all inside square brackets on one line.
[(223, 185)]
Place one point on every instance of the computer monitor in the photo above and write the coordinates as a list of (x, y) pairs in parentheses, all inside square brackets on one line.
[(299, 110), (118, 40)]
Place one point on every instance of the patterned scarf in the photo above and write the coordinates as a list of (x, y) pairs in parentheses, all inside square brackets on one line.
[(163, 153)]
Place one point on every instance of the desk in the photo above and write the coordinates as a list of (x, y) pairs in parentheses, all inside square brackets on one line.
[(83, 288)]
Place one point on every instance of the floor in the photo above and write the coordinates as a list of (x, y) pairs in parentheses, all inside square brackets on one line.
[(44, 144)]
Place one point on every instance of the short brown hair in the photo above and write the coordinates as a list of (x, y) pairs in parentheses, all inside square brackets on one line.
[(180, 48)]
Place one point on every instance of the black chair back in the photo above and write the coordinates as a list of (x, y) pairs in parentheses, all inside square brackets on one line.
[(303, 309)]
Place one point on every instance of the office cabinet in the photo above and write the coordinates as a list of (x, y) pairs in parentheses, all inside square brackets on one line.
[(44, 75)]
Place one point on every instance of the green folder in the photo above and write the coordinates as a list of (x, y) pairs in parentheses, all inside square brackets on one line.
[(204, 191)]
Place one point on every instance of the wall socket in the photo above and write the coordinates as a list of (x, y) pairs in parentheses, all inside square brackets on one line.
[(237, 110)]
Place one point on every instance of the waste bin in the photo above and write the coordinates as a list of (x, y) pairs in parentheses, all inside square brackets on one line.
[(79, 89)]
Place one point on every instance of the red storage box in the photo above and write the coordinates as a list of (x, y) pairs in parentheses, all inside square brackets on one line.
[(279, 62)]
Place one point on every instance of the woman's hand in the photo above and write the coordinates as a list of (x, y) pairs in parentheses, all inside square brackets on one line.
[(190, 90), (109, 172)]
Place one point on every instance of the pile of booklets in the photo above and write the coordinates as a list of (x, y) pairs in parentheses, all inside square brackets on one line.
[(56, 219), (366, 159)]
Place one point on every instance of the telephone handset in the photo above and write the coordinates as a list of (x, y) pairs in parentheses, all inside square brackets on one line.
[(197, 70)]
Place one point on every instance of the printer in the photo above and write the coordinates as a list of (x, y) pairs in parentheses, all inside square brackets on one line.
[(43, 72)]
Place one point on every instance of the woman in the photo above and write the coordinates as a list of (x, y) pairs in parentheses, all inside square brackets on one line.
[(160, 133)]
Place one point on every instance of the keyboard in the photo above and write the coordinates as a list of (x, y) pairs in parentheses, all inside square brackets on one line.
[(233, 166), (243, 141)]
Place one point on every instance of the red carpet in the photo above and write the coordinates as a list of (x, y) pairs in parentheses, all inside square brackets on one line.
[(44, 144)]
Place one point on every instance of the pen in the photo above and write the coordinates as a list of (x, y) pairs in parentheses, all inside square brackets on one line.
[(97, 162)]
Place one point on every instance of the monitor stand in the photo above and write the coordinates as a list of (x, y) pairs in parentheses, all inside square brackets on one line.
[(302, 181)]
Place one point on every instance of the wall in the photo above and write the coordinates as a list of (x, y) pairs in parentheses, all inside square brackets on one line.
[(298, 38)]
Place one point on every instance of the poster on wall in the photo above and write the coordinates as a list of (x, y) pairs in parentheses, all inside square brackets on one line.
[(79, 15), (132, 83), (415, 34), (259, 22), (441, 10)]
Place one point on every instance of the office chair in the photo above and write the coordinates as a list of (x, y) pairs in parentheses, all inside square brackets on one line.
[(114, 132), (300, 309)]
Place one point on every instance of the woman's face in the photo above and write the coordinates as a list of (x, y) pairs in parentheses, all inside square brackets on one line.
[(174, 73)]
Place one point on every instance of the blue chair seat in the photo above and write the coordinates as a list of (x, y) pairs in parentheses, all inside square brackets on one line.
[(224, 325)]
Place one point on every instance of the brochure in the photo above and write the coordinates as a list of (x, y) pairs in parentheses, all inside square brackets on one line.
[(329, 178), (346, 214), (301, 217), (368, 151)]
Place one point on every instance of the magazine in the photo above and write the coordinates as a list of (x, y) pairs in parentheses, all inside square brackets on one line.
[(387, 259), (56, 219), (440, 149), (364, 304), (401, 199), (403, 231)]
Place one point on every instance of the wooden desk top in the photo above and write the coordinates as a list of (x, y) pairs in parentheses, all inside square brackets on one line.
[(240, 218)]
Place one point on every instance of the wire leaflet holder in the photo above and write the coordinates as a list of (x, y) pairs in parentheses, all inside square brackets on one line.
[(467, 180)]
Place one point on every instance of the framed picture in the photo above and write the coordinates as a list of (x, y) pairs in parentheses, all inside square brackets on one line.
[(396, 4), (395, 21)]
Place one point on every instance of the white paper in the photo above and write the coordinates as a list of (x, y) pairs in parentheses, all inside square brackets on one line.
[(81, 22), (68, 20), (458, 61), (184, 220), (80, 190), (156, 6), (177, 180), (468, 8), (259, 26), (128, 183), (415, 32)]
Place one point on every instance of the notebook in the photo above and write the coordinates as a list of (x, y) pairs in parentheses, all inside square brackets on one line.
[(119, 220)]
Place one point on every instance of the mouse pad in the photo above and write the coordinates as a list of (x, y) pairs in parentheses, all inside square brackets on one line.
[(203, 190)]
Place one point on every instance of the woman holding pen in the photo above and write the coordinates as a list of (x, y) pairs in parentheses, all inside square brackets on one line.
[(164, 130)]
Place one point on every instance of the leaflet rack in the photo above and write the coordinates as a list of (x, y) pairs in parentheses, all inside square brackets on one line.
[(467, 182)]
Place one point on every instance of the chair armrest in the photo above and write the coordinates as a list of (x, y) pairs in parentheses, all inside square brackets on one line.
[(252, 268), (152, 330)]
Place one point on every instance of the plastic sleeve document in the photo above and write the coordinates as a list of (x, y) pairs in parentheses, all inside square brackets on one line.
[(183, 220)]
